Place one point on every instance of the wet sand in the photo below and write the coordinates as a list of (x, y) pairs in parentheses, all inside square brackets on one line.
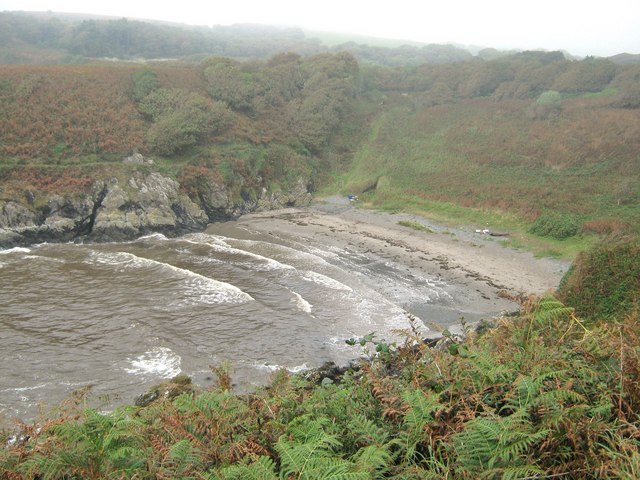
[(477, 266)]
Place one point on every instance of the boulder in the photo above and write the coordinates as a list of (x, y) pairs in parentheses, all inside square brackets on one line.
[(138, 159), (145, 204), (14, 215), (166, 391)]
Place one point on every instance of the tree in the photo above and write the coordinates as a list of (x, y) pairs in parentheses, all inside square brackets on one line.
[(628, 85), (588, 75), (549, 103), (181, 118), (329, 86), (144, 82), (228, 83)]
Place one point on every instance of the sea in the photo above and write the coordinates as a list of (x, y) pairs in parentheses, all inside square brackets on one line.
[(114, 319)]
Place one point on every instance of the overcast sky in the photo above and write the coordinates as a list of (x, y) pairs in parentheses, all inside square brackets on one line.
[(583, 27)]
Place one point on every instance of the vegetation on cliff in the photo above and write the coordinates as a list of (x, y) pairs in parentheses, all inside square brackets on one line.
[(532, 135), (604, 282)]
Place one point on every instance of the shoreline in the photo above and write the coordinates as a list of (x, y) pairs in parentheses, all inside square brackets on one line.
[(476, 267)]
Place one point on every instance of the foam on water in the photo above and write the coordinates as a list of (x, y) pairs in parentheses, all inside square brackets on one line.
[(378, 313), (159, 362), (200, 288), (298, 368), (25, 389), (303, 253), (325, 281), (15, 250), (267, 366), (301, 303), (220, 244), (151, 236), (274, 367)]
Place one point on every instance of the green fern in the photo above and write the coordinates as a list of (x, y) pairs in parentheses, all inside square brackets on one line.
[(421, 411), (491, 442), (549, 308), (307, 452), (366, 431), (263, 468), (374, 459), (90, 447), (184, 457), (523, 472), (547, 311)]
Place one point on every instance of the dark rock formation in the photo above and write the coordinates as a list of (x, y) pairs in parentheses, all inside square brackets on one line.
[(329, 372), (166, 391)]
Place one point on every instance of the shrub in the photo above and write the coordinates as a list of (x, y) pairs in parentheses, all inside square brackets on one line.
[(555, 225), (605, 226), (144, 82), (604, 281), (181, 118)]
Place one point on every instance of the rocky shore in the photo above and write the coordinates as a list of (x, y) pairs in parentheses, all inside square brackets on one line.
[(116, 210)]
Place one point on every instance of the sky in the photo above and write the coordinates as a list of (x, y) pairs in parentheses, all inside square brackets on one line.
[(581, 27)]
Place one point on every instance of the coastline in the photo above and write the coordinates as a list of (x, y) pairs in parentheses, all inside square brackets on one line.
[(476, 267)]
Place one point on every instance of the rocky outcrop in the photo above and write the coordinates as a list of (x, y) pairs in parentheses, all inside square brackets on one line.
[(146, 204), (166, 391), (115, 210), (217, 203), (298, 196), (60, 219)]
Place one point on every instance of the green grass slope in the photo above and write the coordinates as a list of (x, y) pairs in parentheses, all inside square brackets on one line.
[(484, 161)]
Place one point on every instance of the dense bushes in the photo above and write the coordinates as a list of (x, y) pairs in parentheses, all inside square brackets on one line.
[(181, 118), (555, 225), (604, 282)]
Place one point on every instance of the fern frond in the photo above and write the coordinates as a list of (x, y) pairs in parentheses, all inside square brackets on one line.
[(367, 432), (331, 469), (373, 459), (494, 442), (184, 456), (550, 308), (307, 451), (523, 472), (264, 468), (422, 407), (546, 311), (511, 447), (421, 410)]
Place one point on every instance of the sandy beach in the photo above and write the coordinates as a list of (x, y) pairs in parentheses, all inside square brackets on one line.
[(476, 266)]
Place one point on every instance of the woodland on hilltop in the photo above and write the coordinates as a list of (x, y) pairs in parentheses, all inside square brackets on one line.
[(29, 37)]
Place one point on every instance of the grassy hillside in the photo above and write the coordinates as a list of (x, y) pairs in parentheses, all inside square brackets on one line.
[(542, 147), (497, 163)]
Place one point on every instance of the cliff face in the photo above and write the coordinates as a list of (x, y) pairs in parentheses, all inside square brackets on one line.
[(116, 211)]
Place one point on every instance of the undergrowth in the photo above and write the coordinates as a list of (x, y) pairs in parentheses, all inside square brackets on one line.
[(543, 395)]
